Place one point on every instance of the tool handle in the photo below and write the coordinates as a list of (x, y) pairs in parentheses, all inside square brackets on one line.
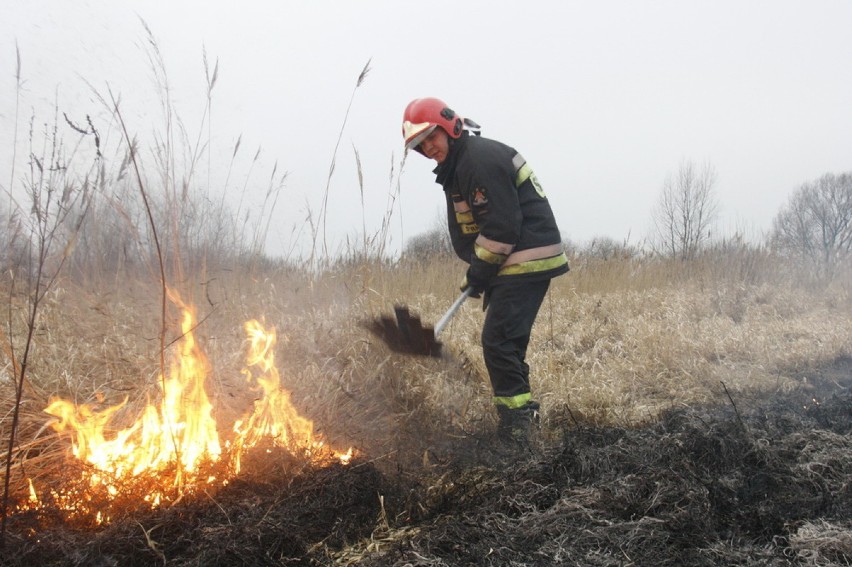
[(452, 311)]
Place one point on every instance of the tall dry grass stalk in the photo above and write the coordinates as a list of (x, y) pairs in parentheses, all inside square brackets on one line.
[(57, 203), (323, 211), (15, 129)]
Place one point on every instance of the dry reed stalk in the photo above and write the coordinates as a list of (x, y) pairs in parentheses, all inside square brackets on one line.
[(323, 212)]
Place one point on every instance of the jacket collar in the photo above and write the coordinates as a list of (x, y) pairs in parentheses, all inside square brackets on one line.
[(445, 170)]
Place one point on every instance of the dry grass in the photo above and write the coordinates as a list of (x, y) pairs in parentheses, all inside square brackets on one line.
[(615, 357)]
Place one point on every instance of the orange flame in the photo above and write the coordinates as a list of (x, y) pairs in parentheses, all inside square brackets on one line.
[(180, 435), (33, 496), (274, 416), (181, 430)]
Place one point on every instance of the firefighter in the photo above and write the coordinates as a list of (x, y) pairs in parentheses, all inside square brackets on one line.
[(501, 224)]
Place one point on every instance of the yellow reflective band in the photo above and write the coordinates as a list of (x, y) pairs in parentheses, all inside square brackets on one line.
[(513, 402), (471, 228), (464, 218), (495, 245), (533, 266), (487, 256), (523, 174)]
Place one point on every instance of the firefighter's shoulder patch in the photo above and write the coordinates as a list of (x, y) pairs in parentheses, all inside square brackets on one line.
[(479, 197)]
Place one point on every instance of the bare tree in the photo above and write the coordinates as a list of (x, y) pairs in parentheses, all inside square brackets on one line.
[(607, 248), (685, 212), (816, 224), (434, 243)]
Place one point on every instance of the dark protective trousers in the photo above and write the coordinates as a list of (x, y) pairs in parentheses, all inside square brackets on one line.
[(512, 309)]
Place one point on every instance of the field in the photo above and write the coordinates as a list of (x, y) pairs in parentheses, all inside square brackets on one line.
[(694, 413)]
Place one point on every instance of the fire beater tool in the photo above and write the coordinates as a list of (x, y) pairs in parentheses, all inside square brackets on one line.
[(407, 333)]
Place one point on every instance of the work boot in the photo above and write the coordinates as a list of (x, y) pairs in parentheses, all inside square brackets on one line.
[(516, 425)]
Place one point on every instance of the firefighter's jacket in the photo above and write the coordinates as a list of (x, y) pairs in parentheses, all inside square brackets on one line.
[(497, 211)]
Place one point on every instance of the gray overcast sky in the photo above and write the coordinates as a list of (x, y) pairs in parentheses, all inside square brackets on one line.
[(604, 99)]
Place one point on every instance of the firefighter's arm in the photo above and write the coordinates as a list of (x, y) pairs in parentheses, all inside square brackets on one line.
[(484, 265), (495, 205)]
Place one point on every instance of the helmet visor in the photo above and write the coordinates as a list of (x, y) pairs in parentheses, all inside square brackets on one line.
[(416, 133)]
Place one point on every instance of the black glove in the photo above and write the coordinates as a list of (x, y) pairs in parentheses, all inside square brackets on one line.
[(475, 293), (479, 276)]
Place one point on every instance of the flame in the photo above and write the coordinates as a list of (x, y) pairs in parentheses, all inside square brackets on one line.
[(33, 495), (178, 438), (180, 430), (274, 415)]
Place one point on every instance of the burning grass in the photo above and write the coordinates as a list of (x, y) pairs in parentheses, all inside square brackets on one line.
[(172, 447), (275, 513)]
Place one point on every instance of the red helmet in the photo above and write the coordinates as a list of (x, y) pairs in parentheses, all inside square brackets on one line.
[(423, 115)]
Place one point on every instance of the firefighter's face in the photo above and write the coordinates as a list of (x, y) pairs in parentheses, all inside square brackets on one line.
[(436, 145)]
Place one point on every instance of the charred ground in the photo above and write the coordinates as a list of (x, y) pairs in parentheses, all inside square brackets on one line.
[(754, 480)]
